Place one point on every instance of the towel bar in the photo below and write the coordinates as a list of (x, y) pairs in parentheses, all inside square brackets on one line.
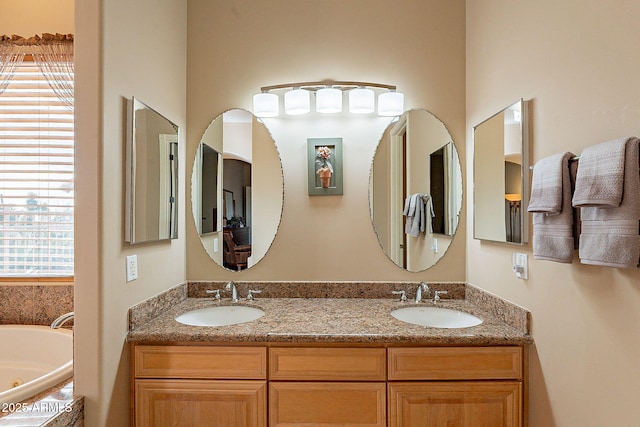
[(573, 159)]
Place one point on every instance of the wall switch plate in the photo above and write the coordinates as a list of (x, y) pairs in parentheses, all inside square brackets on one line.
[(215, 245), (132, 267), (520, 265), (434, 245)]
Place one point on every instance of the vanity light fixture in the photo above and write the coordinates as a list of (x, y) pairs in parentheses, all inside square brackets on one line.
[(328, 98), (391, 104), (361, 101), (266, 104), (296, 102)]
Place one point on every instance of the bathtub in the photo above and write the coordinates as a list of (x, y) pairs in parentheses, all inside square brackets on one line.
[(33, 359)]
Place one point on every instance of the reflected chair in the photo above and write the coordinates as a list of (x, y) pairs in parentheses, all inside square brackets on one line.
[(235, 256)]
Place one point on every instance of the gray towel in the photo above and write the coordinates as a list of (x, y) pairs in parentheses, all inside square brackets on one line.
[(610, 235), (601, 174), (548, 183), (414, 213), (553, 233)]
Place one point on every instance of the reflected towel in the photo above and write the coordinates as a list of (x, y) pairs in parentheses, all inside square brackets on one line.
[(553, 231), (416, 208), (610, 235), (601, 174), (413, 211)]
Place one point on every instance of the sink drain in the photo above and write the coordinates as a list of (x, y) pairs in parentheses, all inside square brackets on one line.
[(17, 382)]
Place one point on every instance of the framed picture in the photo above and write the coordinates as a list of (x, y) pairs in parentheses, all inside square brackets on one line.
[(324, 166)]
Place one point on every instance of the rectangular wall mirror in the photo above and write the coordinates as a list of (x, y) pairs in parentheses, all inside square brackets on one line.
[(501, 176), (152, 175)]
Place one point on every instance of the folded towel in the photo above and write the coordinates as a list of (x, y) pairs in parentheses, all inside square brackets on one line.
[(601, 174), (548, 182), (553, 232), (610, 235)]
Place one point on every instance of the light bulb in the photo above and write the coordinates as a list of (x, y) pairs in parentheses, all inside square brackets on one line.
[(361, 101), (265, 105), (329, 100), (391, 104), (297, 102)]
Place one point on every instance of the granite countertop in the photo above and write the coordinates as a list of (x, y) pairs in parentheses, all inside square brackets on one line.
[(327, 320)]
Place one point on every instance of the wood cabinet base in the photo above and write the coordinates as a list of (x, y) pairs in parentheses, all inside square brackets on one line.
[(455, 404), (196, 403)]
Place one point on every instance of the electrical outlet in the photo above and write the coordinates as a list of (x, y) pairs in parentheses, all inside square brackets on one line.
[(132, 267)]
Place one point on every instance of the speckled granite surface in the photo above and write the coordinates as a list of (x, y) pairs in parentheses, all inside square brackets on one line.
[(509, 313), (326, 289), (327, 320), (34, 304)]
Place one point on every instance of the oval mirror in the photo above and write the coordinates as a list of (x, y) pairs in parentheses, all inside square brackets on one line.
[(415, 190), (237, 190)]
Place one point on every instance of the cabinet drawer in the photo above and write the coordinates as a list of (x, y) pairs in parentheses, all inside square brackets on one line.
[(200, 362), (294, 404), (455, 363), (327, 364)]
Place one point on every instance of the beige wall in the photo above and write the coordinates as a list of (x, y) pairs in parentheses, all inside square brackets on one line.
[(30, 17), (237, 47), (577, 61), (123, 49)]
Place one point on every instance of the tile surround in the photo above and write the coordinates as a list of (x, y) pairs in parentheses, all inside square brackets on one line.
[(56, 407), (34, 304)]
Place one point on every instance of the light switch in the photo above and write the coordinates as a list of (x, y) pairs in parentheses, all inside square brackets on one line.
[(132, 267), (520, 265), (215, 245)]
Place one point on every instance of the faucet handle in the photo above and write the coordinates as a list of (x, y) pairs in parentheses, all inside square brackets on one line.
[(436, 295), (251, 292), (216, 292), (403, 295)]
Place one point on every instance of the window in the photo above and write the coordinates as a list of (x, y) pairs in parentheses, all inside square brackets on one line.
[(36, 178)]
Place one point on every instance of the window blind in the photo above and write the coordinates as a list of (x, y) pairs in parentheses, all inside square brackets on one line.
[(36, 179)]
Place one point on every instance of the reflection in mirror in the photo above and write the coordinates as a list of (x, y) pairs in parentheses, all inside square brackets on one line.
[(209, 159), (152, 175), (501, 176), (415, 190), (237, 192)]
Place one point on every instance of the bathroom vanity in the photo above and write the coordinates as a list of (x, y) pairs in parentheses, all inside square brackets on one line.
[(327, 362)]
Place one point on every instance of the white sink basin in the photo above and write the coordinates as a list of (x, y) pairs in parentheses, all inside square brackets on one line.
[(223, 315), (436, 317)]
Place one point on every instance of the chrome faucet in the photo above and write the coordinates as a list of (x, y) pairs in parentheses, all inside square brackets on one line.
[(422, 287), (403, 295), (215, 293), (436, 296), (61, 320), (251, 292), (234, 292)]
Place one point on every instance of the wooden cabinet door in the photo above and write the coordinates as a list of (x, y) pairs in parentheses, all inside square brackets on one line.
[(455, 404), (197, 403), (297, 404)]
